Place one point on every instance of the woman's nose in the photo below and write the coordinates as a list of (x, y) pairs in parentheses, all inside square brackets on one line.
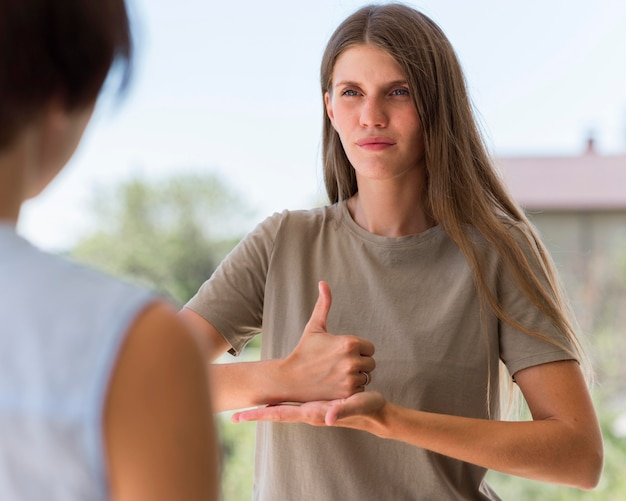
[(373, 113)]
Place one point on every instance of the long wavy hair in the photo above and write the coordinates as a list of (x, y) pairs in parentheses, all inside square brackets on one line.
[(464, 192)]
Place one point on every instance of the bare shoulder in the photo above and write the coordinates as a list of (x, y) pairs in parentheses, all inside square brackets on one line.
[(157, 335), (158, 422)]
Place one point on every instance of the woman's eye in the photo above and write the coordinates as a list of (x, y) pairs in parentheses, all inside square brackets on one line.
[(349, 92), (400, 92)]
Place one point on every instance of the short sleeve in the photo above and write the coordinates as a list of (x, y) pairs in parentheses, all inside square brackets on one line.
[(519, 350), (232, 299)]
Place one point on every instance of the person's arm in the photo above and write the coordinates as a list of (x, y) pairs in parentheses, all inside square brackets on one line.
[(159, 431), (562, 444), (322, 366)]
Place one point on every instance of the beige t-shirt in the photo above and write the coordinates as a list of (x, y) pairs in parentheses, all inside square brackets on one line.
[(415, 299)]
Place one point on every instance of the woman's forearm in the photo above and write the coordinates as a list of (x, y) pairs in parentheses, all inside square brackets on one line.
[(548, 450), (246, 384)]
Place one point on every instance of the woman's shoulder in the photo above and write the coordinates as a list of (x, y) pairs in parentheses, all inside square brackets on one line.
[(302, 219), (510, 238), (521, 231), (524, 234), (290, 225)]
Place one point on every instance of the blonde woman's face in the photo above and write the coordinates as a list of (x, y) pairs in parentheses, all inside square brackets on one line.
[(371, 109)]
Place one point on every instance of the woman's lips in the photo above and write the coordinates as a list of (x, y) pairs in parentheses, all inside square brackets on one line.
[(375, 143)]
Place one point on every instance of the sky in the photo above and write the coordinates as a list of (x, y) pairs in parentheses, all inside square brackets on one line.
[(232, 89)]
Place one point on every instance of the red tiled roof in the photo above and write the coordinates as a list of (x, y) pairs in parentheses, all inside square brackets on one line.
[(586, 182)]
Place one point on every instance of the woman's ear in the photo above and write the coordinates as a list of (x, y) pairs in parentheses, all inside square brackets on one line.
[(328, 101)]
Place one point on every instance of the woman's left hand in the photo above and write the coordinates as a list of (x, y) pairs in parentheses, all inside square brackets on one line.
[(359, 411)]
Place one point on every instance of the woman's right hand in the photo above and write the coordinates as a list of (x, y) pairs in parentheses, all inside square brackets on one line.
[(325, 366)]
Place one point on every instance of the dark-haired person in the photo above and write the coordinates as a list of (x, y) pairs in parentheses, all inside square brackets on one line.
[(103, 393), (431, 262)]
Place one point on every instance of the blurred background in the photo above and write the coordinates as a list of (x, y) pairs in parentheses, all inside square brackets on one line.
[(222, 126)]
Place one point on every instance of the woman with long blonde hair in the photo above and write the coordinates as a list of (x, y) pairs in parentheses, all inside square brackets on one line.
[(432, 265)]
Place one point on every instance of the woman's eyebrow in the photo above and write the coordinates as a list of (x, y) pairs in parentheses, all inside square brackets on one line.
[(348, 83)]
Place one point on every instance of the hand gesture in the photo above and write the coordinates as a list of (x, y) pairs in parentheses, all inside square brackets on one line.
[(361, 411), (324, 366)]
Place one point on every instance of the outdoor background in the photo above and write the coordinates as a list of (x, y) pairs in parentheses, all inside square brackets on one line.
[(232, 88), (221, 127)]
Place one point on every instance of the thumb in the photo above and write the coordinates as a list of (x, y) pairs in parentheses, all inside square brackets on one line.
[(317, 322)]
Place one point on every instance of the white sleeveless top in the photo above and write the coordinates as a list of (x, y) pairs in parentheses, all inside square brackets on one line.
[(61, 326)]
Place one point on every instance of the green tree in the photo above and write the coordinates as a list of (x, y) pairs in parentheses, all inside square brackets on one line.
[(167, 234)]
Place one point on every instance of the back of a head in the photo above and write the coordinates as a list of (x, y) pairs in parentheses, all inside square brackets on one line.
[(57, 49)]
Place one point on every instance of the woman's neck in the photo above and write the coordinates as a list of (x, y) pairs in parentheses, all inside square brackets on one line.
[(390, 212), (10, 193), (15, 160)]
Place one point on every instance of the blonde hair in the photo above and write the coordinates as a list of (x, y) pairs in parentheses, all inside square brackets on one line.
[(464, 190)]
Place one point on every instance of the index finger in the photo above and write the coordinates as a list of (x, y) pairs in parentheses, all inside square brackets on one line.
[(279, 413), (310, 413), (366, 348)]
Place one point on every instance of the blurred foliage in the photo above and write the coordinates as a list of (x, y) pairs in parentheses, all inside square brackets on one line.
[(238, 442), (169, 234)]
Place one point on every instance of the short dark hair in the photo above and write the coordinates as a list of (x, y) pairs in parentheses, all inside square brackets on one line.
[(57, 48)]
